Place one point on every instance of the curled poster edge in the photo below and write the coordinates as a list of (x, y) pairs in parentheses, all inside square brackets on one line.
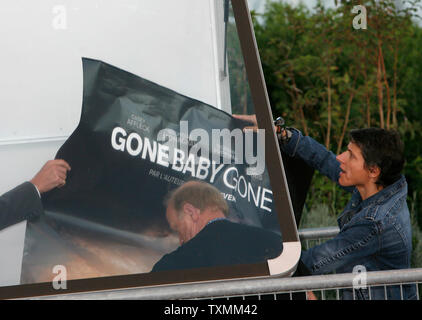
[(285, 264)]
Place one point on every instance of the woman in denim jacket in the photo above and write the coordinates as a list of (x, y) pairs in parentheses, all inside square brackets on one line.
[(375, 227)]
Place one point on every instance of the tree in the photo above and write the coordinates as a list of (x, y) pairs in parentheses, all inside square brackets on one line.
[(325, 77)]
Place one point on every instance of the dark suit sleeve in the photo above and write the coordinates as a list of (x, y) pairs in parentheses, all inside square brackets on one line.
[(18, 204)]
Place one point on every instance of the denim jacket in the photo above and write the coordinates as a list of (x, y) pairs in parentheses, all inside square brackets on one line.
[(374, 233)]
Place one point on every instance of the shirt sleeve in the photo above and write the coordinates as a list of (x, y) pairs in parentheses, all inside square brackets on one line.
[(18, 204), (348, 248), (38, 191)]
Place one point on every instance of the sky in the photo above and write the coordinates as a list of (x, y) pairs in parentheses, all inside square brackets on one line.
[(259, 5)]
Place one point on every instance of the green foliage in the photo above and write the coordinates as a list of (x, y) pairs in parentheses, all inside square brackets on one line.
[(240, 94), (324, 191), (416, 259), (320, 216), (325, 78)]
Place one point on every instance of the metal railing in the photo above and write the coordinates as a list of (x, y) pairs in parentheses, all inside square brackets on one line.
[(262, 288), (323, 287), (313, 236)]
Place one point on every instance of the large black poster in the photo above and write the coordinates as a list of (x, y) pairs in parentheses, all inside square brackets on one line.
[(109, 218)]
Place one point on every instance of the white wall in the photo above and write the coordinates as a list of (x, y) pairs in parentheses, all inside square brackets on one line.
[(177, 44)]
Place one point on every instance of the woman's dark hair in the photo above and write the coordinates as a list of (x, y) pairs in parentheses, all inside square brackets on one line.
[(382, 148)]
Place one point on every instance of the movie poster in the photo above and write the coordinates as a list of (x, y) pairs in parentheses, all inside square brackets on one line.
[(109, 218)]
